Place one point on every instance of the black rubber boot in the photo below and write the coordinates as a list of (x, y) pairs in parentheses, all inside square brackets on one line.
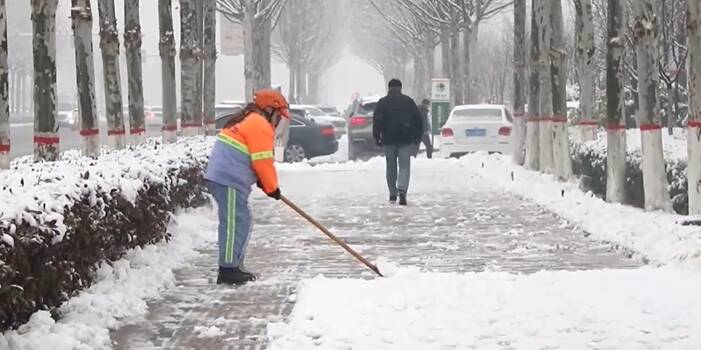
[(393, 198), (235, 276), (402, 199)]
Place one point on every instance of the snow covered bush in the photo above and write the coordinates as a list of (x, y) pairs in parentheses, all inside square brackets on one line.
[(59, 220), (589, 162)]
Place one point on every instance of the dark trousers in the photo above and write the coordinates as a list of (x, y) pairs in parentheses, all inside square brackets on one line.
[(398, 168), (426, 140)]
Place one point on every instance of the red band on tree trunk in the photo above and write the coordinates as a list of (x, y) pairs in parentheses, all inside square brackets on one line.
[(210, 122), (615, 127), (89, 132), (533, 119), (694, 124), (116, 132), (558, 119), (191, 125), (137, 131), (169, 128), (650, 127), (518, 114), (588, 123), (46, 140), (4, 148)]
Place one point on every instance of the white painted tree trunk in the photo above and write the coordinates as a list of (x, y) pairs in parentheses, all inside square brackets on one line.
[(210, 60), (615, 120), (81, 14), (546, 95), (560, 136), (132, 45), (109, 44), (519, 134), (694, 125), (4, 92), (188, 68), (168, 52), (533, 117), (586, 51), (645, 32), (45, 126)]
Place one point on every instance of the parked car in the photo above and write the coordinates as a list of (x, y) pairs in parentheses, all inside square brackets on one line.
[(153, 115), (308, 139), (316, 114), (68, 119), (472, 128), (330, 110), (360, 116), (226, 109)]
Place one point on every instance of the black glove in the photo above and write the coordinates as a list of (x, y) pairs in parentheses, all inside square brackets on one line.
[(275, 194)]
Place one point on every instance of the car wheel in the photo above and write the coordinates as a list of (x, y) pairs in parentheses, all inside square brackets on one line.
[(295, 153)]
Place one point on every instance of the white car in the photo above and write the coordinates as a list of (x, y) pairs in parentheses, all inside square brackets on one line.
[(317, 115), (472, 128)]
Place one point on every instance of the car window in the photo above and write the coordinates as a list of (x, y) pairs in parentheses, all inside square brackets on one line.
[(478, 114), (221, 121), (315, 112), (296, 122), (367, 108)]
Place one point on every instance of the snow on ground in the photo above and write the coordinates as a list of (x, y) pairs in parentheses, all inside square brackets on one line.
[(674, 146), (656, 235), (119, 293), (602, 309)]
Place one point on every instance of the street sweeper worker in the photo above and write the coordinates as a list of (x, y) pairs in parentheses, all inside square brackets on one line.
[(243, 156)]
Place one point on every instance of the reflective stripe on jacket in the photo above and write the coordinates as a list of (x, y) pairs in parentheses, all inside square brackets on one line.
[(243, 154)]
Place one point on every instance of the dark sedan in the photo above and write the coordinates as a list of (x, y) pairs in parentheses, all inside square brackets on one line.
[(308, 139)]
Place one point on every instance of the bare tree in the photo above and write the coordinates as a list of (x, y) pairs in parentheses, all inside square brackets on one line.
[(474, 13), (109, 44), (45, 126), (81, 13), (615, 95), (189, 58), (168, 52), (534, 112), (210, 63), (586, 72), (4, 92), (198, 116), (132, 46), (645, 33), (258, 18), (694, 123), (674, 53), (546, 94), (560, 138), (419, 39), (519, 137)]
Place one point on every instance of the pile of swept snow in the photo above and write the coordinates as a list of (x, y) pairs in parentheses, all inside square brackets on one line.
[(601, 309), (119, 292), (657, 236), (77, 212)]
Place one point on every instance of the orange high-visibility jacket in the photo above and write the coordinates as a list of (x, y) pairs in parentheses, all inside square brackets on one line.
[(243, 154)]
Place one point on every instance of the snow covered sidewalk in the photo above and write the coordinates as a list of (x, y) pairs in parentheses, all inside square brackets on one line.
[(603, 309), (456, 223)]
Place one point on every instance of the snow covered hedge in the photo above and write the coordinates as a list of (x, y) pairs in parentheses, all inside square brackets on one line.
[(59, 220), (589, 161)]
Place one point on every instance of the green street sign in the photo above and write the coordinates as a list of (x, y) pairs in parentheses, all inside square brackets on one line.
[(439, 115), (440, 104)]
